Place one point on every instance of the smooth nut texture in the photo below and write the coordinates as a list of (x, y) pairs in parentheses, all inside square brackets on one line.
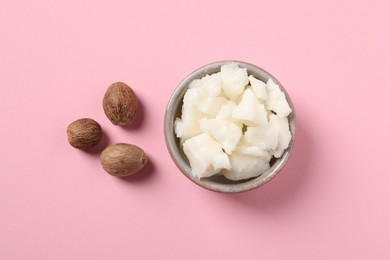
[(120, 104), (123, 159), (84, 133)]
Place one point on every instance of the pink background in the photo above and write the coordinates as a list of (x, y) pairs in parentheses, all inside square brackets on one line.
[(58, 57)]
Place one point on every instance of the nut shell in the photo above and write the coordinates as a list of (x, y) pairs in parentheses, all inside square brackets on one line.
[(120, 104), (123, 159), (84, 133)]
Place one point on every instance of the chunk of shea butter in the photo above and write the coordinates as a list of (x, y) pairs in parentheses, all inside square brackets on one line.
[(284, 134), (212, 84), (234, 80), (263, 137), (247, 161), (188, 125), (277, 100), (250, 111), (259, 88), (243, 147), (205, 155), (226, 111), (227, 133), (245, 166), (210, 106)]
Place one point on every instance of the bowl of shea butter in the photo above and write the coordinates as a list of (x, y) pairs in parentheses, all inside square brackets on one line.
[(230, 126)]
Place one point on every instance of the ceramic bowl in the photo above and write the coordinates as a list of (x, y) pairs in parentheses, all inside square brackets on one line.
[(219, 183)]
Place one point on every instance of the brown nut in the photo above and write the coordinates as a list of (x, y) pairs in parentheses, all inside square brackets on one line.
[(123, 159), (120, 104), (84, 133)]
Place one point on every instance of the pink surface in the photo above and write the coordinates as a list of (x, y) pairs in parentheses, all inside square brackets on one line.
[(57, 59)]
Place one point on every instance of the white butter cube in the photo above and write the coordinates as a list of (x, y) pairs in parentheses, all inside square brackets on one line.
[(259, 88), (284, 134), (210, 106), (249, 111), (226, 110), (212, 84), (227, 133), (196, 83), (205, 155), (277, 100), (245, 148), (188, 126), (245, 166), (266, 138), (234, 80), (185, 129)]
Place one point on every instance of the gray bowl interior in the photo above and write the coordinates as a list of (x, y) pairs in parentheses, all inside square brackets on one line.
[(218, 182)]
